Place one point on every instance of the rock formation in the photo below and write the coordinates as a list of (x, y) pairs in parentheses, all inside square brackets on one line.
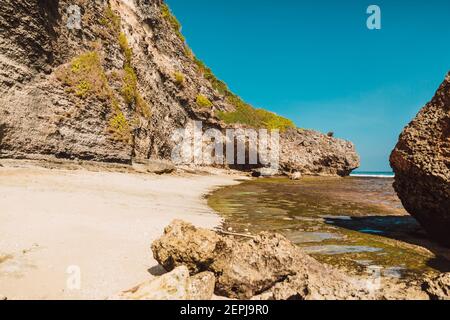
[(421, 161), (266, 267), (114, 85), (312, 153)]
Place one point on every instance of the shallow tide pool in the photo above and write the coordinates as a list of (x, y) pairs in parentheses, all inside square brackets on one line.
[(353, 223)]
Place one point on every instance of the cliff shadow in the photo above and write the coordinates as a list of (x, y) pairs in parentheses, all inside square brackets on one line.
[(400, 228)]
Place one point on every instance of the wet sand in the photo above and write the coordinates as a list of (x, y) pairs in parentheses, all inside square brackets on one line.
[(99, 223)]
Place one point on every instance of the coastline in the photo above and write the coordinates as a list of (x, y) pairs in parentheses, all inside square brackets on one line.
[(372, 174), (102, 222)]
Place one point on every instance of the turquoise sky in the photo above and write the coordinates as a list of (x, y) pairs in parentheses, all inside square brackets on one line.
[(317, 63)]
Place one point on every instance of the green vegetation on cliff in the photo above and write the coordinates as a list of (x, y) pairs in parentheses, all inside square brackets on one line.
[(111, 19), (173, 21), (244, 113), (129, 91), (85, 76), (118, 124), (127, 51), (179, 78), (203, 102)]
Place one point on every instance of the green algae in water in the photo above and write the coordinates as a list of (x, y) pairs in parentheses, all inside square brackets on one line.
[(341, 221)]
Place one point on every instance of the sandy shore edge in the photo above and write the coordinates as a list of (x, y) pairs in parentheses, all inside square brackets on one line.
[(62, 225)]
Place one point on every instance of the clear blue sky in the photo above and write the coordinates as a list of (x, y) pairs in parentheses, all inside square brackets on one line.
[(318, 64)]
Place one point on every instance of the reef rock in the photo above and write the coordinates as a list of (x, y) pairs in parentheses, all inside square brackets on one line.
[(421, 161), (268, 265)]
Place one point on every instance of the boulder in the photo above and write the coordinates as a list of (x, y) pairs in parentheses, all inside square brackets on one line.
[(175, 285), (183, 244), (245, 268), (438, 288), (154, 166), (170, 286), (421, 161), (313, 153), (264, 172), (295, 176)]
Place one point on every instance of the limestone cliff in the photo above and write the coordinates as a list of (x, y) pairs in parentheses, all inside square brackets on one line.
[(421, 161), (116, 88)]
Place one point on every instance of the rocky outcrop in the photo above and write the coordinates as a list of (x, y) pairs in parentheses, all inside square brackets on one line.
[(421, 161), (175, 285), (265, 267), (116, 89), (438, 288), (313, 153)]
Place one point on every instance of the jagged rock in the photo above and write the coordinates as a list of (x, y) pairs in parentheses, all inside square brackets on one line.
[(243, 269), (421, 164), (439, 287), (202, 286)]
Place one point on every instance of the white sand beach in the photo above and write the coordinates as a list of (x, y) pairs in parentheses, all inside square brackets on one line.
[(100, 222)]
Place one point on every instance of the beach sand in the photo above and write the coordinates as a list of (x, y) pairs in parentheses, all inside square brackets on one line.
[(58, 224)]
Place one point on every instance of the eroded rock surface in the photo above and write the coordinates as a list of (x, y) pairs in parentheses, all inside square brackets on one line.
[(421, 161), (313, 153), (201, 286), (268, 266), (438, 288)]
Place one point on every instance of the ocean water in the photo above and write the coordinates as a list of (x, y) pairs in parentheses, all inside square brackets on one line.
[(373, 174)]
